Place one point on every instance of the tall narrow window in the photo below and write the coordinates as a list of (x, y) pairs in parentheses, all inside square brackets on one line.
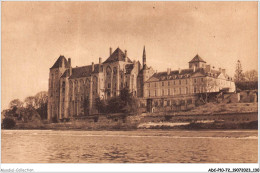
[(63, 87)]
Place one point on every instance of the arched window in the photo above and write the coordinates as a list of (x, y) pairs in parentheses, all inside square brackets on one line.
[(81, 85), (108, 71), (63, 87), (76, 86), (114, 70), (87, 87)]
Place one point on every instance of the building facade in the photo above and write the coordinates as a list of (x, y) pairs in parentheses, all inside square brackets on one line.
[(73, 91)]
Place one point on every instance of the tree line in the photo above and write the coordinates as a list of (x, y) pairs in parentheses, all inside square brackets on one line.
[(33, 107), (245, 80)]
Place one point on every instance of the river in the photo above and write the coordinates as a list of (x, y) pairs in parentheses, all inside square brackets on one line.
[(141, 146)]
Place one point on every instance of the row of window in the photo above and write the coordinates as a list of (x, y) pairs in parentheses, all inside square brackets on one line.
[(175, 82), (165, 92), (122, 85)]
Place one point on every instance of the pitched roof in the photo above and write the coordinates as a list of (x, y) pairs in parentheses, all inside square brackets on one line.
[(117, 55), (58, 63), (184, 73), (79, 72), (197, 58)]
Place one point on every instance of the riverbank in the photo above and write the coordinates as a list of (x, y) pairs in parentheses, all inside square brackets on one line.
[(210, 116), (190, 122)]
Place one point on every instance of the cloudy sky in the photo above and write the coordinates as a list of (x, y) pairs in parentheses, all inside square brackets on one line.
[(35, 34)]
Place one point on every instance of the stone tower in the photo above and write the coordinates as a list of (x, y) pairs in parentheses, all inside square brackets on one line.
[(144, 75), (56, 72)]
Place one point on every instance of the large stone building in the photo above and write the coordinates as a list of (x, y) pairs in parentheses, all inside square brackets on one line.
[(71, 89)]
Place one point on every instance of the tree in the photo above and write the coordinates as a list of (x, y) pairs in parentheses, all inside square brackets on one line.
[(8, 123), (208, 85), (16, 103), (41, 99), (125, 95), (239, 76), (29, 101), (251, 75), (100, 105), (129, 103), (114, 105), (41, 104)]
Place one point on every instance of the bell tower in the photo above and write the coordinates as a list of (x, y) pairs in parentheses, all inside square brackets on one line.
[(144, 58), (56, 72)]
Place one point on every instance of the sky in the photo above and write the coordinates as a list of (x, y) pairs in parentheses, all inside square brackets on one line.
[(35, 34)]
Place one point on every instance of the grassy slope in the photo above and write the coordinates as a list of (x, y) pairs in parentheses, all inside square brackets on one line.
[(225, 108)]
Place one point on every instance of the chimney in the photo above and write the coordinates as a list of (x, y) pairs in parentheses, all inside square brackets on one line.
[(144, 58), (70, 71), (208, 68), (69, 61), (110, 53), (179, 71), (93, 67), (134, 62), (100, 60), (70, 68), (168, 71), (224, 71), (125, 55)]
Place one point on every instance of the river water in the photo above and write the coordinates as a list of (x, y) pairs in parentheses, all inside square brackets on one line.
[(141, 146)]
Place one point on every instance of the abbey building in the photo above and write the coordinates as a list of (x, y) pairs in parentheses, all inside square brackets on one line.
[(70, 88)]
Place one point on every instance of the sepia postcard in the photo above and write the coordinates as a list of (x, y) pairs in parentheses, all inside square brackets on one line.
[(123, 82)]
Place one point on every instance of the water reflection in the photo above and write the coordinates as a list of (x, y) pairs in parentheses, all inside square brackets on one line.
[(133, 146)]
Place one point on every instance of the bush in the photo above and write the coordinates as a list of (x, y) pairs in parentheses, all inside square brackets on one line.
[(124, 103), (248, 85), (8, 123)]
